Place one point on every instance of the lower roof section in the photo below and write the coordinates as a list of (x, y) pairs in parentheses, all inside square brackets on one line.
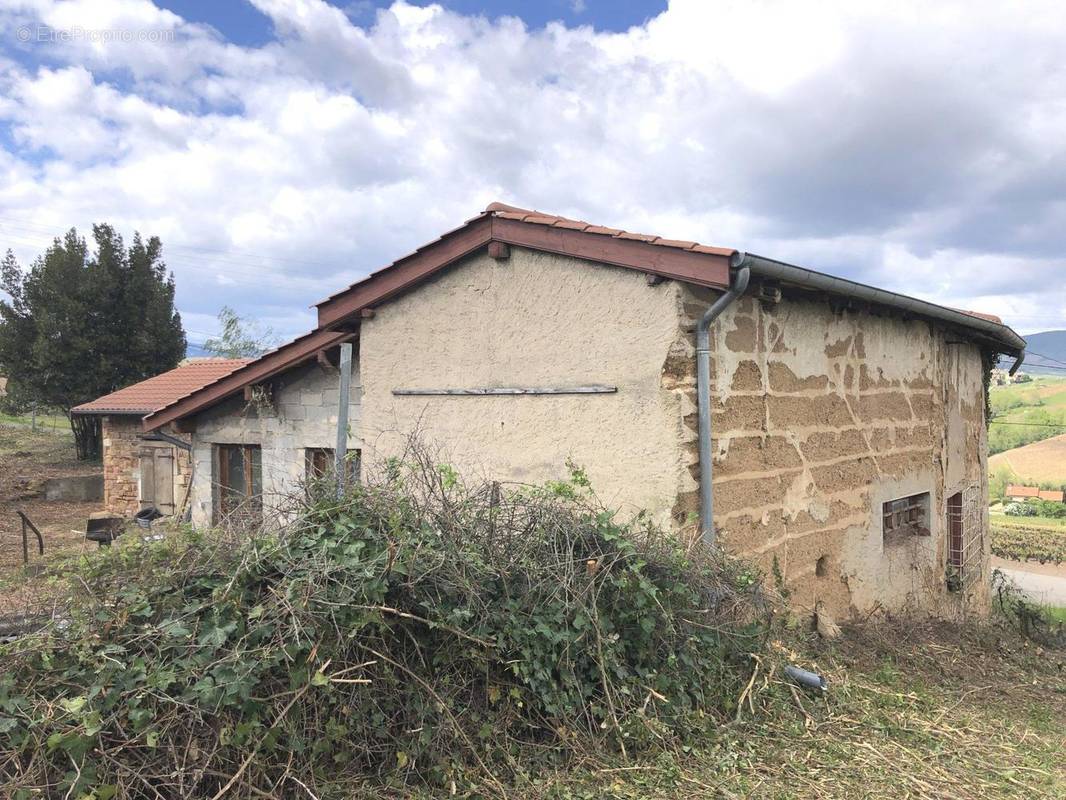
[(263, 368)]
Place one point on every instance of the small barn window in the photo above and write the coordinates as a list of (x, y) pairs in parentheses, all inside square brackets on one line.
[(318, 463), (905, 517)]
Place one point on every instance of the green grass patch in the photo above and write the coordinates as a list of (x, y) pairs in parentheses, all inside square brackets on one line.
[(1033, 412), (1048, 523)]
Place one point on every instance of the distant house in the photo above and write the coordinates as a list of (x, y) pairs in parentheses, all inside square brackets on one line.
[(150, 469), (1022, 493), (1019, 493)]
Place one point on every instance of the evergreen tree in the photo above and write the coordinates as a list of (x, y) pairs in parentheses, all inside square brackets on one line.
[(76, 327)]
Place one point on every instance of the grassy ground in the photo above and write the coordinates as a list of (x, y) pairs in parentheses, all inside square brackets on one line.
[(28, 459), (1051, 523), (913, 710), (52, 423), (1042, 401)]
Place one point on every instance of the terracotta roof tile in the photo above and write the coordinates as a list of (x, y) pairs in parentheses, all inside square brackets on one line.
[(981, 315), (1022, 491), (162, 390), (571, 224), (679, 243)]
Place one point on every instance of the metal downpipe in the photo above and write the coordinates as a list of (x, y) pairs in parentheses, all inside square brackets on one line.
[(738, 284), (1017, 363)]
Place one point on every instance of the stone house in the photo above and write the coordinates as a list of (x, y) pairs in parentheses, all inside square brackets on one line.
[(143, 469), (832, 432)]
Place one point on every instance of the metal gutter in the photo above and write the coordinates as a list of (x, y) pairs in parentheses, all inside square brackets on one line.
[(1000, 335), (737, 284)]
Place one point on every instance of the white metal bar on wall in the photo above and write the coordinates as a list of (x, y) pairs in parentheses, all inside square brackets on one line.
[(510, 390)]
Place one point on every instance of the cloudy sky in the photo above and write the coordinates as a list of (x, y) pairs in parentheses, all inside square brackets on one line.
[(283, 148)]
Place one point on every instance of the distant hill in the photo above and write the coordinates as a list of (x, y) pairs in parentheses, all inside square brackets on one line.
[(193, 350), (1051, 347), (1046, 353), (1037, 462)]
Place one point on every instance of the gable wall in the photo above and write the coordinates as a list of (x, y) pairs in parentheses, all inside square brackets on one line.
[(533, 320)]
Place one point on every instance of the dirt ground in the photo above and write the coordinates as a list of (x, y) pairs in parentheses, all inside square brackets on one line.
[(27, 459)]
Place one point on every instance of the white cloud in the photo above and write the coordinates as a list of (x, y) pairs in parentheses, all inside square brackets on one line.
[(917, 147)]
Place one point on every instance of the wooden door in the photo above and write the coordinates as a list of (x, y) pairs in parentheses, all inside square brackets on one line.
[(157, 478)]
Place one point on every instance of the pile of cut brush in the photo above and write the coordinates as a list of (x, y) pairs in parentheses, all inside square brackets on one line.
[(417, 632)]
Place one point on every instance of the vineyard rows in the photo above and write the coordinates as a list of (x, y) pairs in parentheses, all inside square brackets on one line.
[(1023, 543)]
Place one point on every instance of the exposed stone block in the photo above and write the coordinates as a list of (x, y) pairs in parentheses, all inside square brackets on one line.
[(790, 412), (830, 445), (886, 406), (783, 379), (746, 377), (757, 454)]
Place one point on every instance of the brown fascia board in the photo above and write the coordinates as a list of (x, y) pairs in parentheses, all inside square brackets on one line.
[(110, 412), (405, 273), (700, 268), (266, 366)]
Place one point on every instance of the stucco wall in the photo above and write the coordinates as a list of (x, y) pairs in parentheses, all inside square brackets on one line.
[(821, 415), (122, 444), (533, 320), (302, 414)]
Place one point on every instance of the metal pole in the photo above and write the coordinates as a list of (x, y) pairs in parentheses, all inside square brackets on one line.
[(25, 546), (341, 452)]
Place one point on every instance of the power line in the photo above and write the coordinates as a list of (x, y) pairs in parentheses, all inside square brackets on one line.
[(1049, 358)]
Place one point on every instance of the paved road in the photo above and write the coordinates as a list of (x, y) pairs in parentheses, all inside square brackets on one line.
[(1046, 586)]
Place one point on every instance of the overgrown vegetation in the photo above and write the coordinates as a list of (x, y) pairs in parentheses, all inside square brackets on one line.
[(1034, 621), (419, 632)]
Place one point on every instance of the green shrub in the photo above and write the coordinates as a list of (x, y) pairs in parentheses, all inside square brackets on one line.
[(1019, 510), (417, 631)]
